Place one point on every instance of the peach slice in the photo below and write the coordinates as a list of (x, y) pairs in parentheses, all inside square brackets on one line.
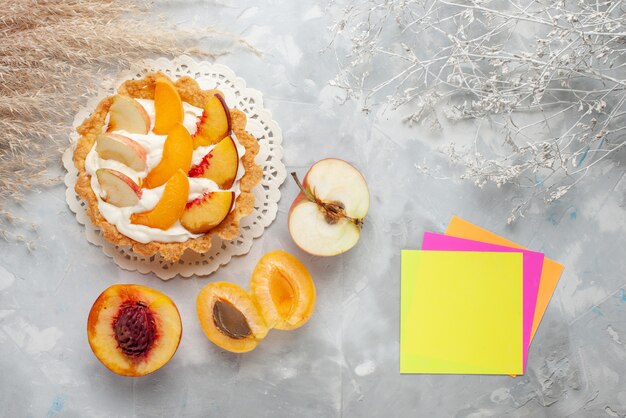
[(127, 114), (133, 330), (177, 154), (220, 164), (170, 207), (207, 211), (229, 317), (123, 149), (119, 189), (284, 290), (168, 107), (214, 124)]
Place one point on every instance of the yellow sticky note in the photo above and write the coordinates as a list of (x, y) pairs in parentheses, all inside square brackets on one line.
[(550, 272), (461, 312)]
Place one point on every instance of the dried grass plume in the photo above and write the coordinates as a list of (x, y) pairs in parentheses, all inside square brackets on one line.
[(52, 54)]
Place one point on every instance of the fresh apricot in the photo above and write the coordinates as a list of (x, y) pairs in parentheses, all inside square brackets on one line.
[(171, 206), (284, 290), (168, 107), (177, 155), (133, 330), (229, 317)]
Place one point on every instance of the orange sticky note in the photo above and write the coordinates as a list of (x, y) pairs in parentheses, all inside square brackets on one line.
[(550, 272)]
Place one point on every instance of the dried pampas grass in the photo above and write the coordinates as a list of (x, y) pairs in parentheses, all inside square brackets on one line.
[(53, 53)]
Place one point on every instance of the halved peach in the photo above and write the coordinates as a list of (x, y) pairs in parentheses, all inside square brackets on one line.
[(207, 211), (123, 149), (284, 290), (133, 330), (168, 107), (127, 114), (229, 317), (214, 124), (119, 189), (171, 206), (220, 164), (177, 155)]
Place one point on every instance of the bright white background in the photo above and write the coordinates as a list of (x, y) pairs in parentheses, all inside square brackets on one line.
[(344, 362)]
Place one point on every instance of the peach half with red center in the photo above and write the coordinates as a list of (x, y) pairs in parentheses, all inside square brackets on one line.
[(133, 330)]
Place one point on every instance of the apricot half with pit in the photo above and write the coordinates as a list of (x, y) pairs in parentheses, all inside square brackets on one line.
[(133, 330), (229, 317), (284, 290)]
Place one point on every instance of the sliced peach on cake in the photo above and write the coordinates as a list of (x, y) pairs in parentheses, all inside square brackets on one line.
[(207, 211), (117, 188), (214, 124), (177, 154), (220, 164), (168, 107), (123, 149), (229, 317), (127, 114), (171, 206), (133, 330), (284, 290)]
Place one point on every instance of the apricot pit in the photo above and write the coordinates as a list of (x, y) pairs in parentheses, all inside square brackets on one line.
[(229, 317)]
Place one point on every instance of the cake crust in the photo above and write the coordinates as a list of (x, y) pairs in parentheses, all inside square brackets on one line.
[(191, 93)]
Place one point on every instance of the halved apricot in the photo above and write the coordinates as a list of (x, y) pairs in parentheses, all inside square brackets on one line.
[(229, 317), (133, 330), (284, 290)]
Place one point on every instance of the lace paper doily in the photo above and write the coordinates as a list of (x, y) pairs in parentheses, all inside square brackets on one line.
[(266, 194)]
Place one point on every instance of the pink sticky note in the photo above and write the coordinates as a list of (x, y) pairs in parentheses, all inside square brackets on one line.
[(532, 264)]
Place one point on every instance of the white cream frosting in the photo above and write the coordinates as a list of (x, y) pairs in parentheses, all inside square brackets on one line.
[(153, 144)]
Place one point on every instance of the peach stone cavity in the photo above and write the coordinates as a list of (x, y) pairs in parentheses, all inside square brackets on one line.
[(153, 146)]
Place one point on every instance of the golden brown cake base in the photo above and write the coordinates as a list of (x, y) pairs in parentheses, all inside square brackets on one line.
[(191, 93)]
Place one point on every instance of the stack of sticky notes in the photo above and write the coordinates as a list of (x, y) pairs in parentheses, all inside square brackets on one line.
[(471, 302)]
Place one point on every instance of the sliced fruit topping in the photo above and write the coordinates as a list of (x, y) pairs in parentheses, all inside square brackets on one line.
[(214, 124), (177, 154), (326, 217), (123, 149), (207, 211), (127, 114), (119, 189), (229, 317), (170, 207), (220, 164), (284, 290), (168, 107), (133, 330)]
